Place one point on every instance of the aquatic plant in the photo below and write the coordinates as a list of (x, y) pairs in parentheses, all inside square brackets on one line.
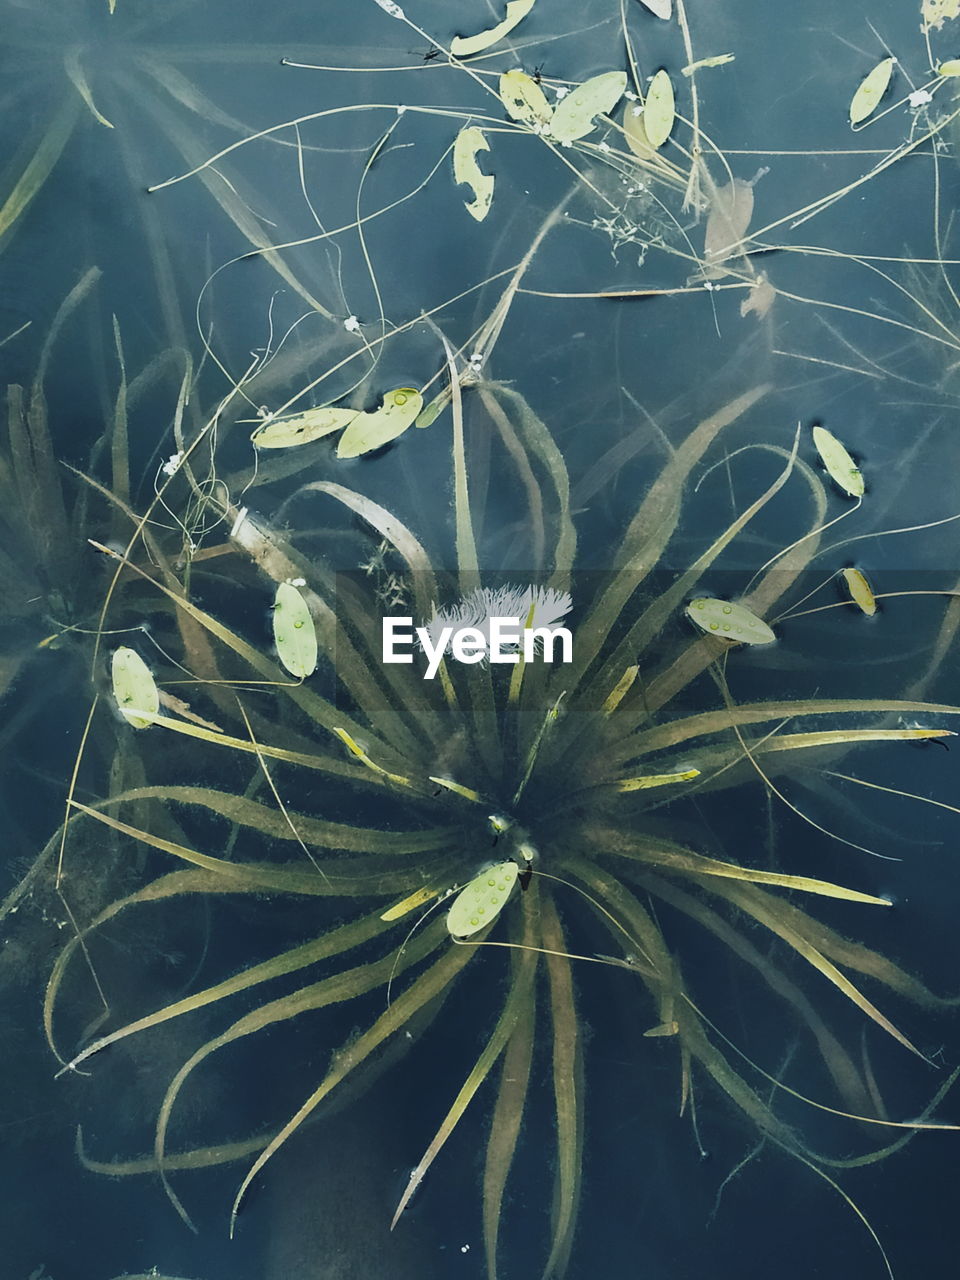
[(391, 789)]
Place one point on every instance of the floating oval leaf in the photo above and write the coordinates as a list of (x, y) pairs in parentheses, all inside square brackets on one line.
[(840, 466), (730, 621), (294, 632), (464, 46), (860, 592), (482, 900), (575, 113), (284, 433), (524, 100), (949, 68), (134, 686), (659, 111), (469, 141), (369, 431), (636, 134), (871, 90)]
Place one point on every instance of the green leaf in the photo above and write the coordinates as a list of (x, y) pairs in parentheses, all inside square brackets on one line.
[(867, 98), (469, 141), (574, 116), (284, 433), (523, 99), (482, 900), (134, 686), (369, 431), (729, 621), (840, 466), (464, 46), (294, 632), (659, 110)]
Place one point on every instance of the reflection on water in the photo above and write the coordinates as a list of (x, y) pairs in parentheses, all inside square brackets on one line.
[(727, 980)]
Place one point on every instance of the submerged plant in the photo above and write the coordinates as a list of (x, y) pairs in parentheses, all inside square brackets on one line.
[(565, 766)]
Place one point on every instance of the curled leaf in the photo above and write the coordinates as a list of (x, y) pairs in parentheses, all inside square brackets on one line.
[(469, 141), (729, 621), (284, 433), (293, 632), (840, 466), (369, 431), (659, 112), (523, 99), (464, 46), (659, 8), (872, 88), (860, 591), (482, 900), (575, 113), (719, 60), (134, 686)]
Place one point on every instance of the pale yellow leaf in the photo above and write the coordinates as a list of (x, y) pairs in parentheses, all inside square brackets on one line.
[(134, 687), (464, 46), (482, 900), (659, 110), (469, 141), (872, 88), (293, 632), (284, 433), (523, 99), (729, 621), (369, 431), (574, 115), (636, 134), (860, 591), (840, 466), (936, 12), (949, 68)]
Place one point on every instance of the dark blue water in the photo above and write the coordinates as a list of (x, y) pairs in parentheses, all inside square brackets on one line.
[(861, 337)]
